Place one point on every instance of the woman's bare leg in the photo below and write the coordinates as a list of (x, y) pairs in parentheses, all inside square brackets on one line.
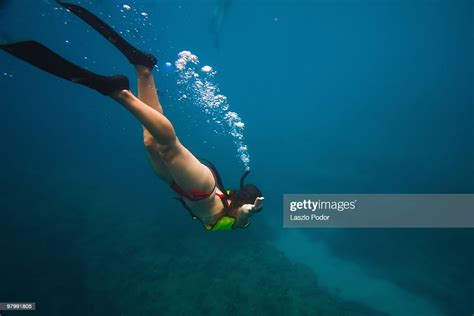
[(184, 168), (148, 94)]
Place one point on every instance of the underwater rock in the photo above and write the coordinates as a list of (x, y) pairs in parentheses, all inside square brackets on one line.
[(201, 275)]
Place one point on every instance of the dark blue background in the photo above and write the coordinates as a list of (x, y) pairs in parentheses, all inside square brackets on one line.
[(337, 97)]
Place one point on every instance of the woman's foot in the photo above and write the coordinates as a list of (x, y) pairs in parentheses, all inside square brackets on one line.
[(38, 55), (107, 85)]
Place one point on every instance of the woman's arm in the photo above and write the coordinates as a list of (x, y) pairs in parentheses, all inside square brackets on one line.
[(247, 210)]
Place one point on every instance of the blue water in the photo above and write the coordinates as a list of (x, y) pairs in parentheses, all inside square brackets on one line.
[(336, 97)]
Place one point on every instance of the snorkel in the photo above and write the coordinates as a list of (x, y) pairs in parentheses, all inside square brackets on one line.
[(242, 178)]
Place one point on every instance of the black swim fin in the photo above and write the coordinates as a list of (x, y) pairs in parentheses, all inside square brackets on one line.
[(42, 57), (134, 55)]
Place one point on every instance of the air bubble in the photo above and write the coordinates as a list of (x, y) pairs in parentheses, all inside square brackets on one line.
[(206, 69), (206, 94)]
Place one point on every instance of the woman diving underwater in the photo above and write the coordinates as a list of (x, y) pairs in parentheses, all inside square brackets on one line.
[(198, 183)]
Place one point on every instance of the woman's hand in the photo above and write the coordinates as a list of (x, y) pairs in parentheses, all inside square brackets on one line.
[(252, 208), (258, 204), (247, 210)]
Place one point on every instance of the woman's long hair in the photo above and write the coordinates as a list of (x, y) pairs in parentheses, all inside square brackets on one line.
[(246, 194)]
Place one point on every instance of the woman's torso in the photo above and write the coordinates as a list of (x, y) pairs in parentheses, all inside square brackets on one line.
[(207, 209)]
